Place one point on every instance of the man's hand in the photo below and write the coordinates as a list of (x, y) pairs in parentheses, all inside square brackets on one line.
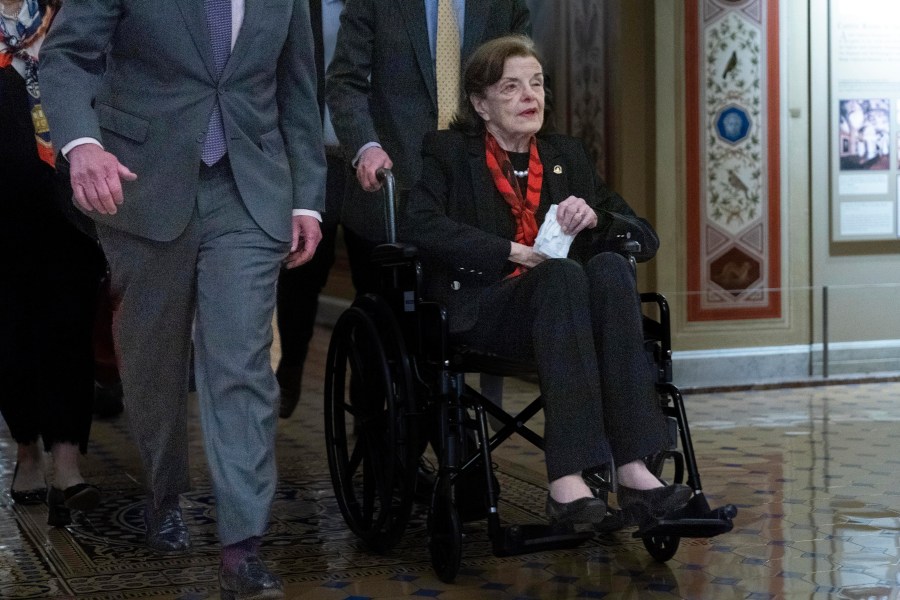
[(573, 215), (97, 178), (305, 236), (525, 255), (371, 160)]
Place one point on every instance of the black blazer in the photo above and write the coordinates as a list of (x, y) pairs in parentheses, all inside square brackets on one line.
[(463, 227)]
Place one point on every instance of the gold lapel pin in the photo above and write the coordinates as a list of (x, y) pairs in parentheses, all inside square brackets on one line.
[(557, 169)]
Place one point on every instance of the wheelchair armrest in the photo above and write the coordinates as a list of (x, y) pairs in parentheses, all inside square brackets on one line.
[(622, 243), (392, 253)]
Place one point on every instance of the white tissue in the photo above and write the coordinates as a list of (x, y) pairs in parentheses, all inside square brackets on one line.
[(551, 241)]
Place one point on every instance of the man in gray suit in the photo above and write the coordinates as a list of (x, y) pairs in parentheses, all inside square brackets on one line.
[(191, 146), (382, 88)]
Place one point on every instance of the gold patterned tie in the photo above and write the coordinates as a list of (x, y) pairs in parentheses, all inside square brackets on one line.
[(447, 62)]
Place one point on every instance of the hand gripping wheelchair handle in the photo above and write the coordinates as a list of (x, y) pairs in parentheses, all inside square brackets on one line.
[(386, 177)]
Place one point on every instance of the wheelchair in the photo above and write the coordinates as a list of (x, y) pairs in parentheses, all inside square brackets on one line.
[(394, 383)]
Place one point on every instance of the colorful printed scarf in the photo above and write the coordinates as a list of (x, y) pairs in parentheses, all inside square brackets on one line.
[(31, 25)]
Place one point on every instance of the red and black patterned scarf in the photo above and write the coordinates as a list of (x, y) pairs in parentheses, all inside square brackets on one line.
[(523, 205)]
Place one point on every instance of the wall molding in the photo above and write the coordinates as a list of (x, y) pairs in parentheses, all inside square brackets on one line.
[(783, 364)]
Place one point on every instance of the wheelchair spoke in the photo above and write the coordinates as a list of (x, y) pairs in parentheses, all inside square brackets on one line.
[(356, 457), (373, 480)]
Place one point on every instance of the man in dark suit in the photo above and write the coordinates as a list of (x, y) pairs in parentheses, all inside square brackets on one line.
[(382, 87), (299, 288), (192, 148)]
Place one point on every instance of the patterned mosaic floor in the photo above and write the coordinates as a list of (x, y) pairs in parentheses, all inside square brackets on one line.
[(813, 470)]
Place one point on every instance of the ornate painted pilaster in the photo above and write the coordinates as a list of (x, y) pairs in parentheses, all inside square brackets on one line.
[(573, 36), (732, 159)]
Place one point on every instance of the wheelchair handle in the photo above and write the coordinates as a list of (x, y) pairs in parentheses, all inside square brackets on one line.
[(386, 177)]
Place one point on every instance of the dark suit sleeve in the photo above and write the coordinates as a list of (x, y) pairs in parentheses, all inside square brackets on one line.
[(457, 246), (298, 110), (521, 21), (347, 79), (72, 64)]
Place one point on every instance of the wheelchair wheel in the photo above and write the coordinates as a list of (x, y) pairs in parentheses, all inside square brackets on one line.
[(444, 533), (662, 547), (371, 447)]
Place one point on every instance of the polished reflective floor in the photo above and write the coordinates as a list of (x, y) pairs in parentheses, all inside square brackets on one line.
[(814, 471)]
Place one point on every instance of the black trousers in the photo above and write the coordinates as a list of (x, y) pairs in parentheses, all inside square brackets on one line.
[(51, 274), (49, 278), (583, 328), (299, 288)]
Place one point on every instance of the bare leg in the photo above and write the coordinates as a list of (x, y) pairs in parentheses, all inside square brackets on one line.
[(30, 461), (65, 465), (569, 488), (636, 476)]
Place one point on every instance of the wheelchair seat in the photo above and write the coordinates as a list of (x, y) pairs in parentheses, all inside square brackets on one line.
[(470, 360)]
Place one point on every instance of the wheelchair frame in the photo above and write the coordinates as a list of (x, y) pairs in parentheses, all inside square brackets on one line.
[(391, 369)]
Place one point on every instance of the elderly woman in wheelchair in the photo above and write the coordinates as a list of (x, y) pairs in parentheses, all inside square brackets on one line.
[(476, 286), (487, 185)]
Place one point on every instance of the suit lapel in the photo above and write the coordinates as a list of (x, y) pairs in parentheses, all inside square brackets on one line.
[(414, 16), (482, 184), (194, 17), (315, 19), (555, 187), (252, 16), (476, 20)]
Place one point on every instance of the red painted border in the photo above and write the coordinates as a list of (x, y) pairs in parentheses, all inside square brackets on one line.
[(695, 310)]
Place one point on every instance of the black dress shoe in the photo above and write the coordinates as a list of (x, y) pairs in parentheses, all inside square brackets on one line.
[(288, 402), (641, 506), (584, 511), (166, 530), (26, 497), (289, 385), (251, 581), (60, 503)]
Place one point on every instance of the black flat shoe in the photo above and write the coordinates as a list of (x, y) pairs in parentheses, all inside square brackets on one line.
[(643, 505), (26, 497), (584, 511), (61, 503)]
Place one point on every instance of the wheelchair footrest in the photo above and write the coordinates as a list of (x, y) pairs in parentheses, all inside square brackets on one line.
[(524, 539), (694, 520)]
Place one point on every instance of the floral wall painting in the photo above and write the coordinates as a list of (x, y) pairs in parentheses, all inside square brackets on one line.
[(732, 159)]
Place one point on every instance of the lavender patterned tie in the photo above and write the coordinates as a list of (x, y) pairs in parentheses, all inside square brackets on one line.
[(218, 18)]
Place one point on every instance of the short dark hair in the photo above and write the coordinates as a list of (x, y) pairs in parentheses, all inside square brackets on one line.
[(485, 68)]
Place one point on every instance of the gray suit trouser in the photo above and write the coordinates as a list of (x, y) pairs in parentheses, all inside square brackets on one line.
[(218, 280), (583, 328)]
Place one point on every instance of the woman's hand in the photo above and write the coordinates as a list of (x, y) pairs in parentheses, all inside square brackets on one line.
[(573, 215), (525, 255)]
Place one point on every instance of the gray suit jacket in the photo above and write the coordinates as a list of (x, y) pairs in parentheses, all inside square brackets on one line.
[(149, 105), (381, 85)]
